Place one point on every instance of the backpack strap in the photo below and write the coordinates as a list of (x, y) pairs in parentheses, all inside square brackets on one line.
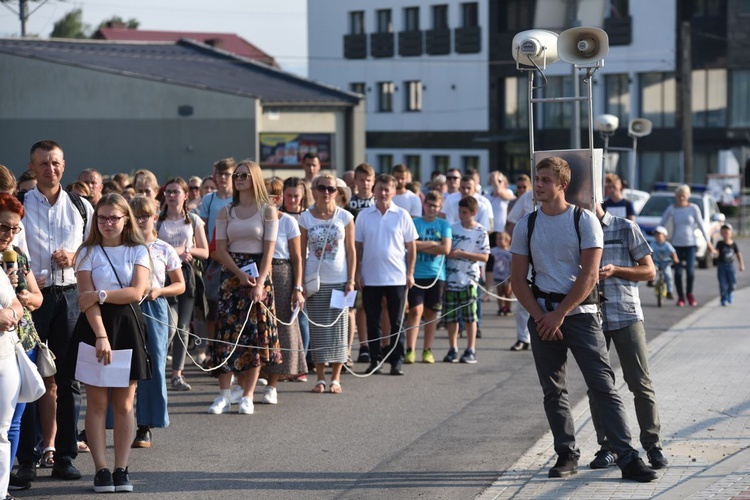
[(76, 199), (578, 211)]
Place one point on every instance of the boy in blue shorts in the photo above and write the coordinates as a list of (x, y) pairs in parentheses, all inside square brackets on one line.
[(426, 296), (470, 246)]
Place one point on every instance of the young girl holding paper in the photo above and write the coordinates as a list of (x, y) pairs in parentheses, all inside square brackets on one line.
[(328, 234), (246, 232), (113, 273)]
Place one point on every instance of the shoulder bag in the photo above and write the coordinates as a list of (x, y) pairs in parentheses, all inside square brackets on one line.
[(32, 385)]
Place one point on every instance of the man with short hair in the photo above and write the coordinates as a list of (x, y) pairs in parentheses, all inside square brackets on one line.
[(626, 260), (93, 178), (56, 224), (467, 187), (404, 198), (385, 232), (311, 164), (562, 302), (615, 203), (452, 181)]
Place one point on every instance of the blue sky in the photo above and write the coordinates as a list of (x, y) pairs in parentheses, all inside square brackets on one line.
[(279, 28)]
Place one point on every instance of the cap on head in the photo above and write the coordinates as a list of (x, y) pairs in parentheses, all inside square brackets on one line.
[(661, 230), (727, 226)]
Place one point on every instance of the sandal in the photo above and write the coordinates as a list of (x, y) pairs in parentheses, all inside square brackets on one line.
[(83, 447), (320, 387), (48, 457), (335, 387)]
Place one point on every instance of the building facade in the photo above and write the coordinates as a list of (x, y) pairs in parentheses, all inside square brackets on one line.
[(442, 88)]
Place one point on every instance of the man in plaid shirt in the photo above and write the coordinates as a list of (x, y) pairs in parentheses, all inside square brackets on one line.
[(626, 260)]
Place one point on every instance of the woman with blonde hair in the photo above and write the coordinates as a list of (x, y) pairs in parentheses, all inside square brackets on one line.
[(151, 408), (287, 286), (145, 183), (113, 272), (328, 235), (246, 231)]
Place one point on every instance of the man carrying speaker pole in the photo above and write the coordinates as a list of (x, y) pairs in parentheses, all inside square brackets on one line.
[(563, 246)]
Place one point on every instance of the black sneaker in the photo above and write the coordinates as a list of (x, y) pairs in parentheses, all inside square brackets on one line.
[(103, 482), (364, 356), (451, 357), (18, 484), (603, 459), (373, 368), (64, 469), (656, 458), (397, 368), (26, 471), (142, 438), (122, 480), (469, 356), (564, 467), (637, 471)]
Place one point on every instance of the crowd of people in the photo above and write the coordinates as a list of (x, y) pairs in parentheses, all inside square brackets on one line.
[(262, 271)]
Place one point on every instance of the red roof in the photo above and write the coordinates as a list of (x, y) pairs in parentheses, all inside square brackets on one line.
[(225, 41)]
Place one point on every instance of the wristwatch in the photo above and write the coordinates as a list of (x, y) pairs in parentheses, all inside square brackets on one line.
[(102, 296), (298, 288)]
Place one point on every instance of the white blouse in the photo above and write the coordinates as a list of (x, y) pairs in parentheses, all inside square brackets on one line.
[(124, 259)]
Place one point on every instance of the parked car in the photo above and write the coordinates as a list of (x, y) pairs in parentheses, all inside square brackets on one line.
[(651, 213), (638, 198)]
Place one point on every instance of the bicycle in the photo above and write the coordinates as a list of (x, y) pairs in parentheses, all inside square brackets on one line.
[(660, 285)]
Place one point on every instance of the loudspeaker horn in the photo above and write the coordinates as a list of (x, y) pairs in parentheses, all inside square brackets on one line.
[(535, 48), (639, 127), (583, 47)]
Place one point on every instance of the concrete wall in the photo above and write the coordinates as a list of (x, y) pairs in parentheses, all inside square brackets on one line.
[(118, 123)]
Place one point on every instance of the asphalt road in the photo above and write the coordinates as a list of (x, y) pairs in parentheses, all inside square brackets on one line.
[(440, 431)]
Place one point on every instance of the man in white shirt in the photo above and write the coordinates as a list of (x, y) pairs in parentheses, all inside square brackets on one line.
[(452, 182), (468, 188), (385, 232), (404, 198), (56, 225)]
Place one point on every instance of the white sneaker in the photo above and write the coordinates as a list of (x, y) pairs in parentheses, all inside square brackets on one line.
[(221, 405), (262, 382), (246, 407), (236, 394), (269, 396)]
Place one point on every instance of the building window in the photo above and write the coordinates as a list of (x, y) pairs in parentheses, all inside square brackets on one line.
[(385, 163), (411, 19), (709, 98), (440, 17), (516, 16), (706, 8), (414, 162), (617, 89), (516, 109), (385, 97), (358, 87), (469, 15), (658, 93), (470, 162), (413, 96), (357, 22), (441, 163), (385, 23), (558, 115), (740, 104)]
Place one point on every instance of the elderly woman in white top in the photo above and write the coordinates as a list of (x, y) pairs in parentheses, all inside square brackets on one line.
[(328, 234), (686, 217)]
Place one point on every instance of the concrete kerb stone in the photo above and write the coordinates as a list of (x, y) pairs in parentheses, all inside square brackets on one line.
[(704, 420)]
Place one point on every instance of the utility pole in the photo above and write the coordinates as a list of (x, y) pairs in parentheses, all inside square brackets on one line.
[(686, 104), (23, 14), (575, 128)]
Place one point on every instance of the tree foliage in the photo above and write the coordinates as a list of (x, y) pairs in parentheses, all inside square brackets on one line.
[(71, 25), (116, 21)]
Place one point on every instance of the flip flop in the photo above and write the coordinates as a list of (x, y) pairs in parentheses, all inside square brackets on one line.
[(335, 387), (320, 387)]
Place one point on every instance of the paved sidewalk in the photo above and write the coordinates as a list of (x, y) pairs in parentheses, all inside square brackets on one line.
[(701, 372)]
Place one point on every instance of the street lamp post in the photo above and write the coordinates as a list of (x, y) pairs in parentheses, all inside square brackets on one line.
[(638, 127)]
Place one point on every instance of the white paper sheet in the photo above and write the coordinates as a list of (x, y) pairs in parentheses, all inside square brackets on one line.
[(341, 301), (295, 313), (90, 371), (251, 270)]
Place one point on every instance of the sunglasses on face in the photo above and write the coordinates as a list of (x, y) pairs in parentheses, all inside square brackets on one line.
[(326, 189), (140, 219), (195, 188), (242, 176), (452, 177), (173, 192)]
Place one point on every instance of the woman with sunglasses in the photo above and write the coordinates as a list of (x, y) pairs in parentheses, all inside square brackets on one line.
[(184, 231), (30, 298), (113, 273), (287, 286), (194, 192), (151, 408), (327, 231), (246, 335)]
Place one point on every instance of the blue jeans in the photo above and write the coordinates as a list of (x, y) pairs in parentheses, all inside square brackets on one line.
[(151, 398), (686, 256), (14, 432), (727, 280)]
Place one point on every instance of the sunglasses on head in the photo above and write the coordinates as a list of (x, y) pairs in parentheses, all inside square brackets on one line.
[(241, 176), (326, 189)]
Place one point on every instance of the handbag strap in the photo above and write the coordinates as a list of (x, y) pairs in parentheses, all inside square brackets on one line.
[(117, 277)]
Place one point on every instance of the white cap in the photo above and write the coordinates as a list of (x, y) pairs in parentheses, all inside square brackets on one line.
[(662, 230)]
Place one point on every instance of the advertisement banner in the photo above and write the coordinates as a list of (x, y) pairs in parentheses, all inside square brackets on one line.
[(285, 150)]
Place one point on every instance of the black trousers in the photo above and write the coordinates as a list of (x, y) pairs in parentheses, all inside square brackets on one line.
[(395, 298), (55, 321)]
